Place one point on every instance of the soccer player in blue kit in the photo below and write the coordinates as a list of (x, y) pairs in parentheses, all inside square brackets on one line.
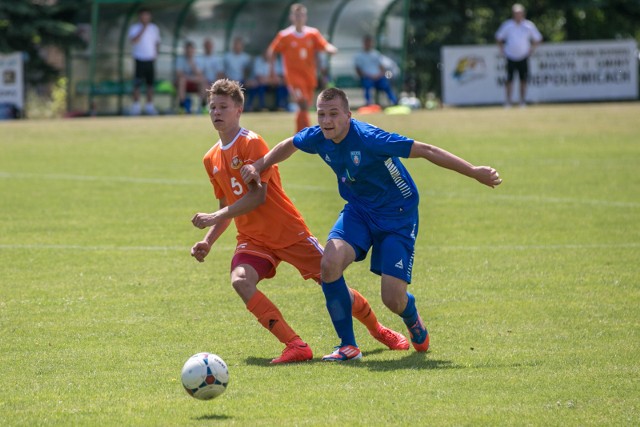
[(381, 212)]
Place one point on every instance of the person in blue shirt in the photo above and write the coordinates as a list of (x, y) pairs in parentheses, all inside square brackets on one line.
[(381, 212)]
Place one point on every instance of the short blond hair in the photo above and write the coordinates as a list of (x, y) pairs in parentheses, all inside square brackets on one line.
[(230, 88)]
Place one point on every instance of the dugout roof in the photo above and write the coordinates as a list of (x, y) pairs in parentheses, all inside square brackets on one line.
[(343, 22)]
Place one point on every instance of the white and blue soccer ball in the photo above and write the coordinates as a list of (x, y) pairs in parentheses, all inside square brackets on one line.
[(205, 376)]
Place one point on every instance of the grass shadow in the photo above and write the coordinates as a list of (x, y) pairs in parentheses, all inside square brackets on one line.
[(261, 361), (413, 360), (213, 417)]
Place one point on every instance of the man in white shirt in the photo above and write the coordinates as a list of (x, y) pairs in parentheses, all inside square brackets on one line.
[(145, 39), (372, 71), (517, 39)]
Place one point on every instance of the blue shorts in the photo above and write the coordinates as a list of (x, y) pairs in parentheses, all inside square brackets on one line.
[(392, 239)]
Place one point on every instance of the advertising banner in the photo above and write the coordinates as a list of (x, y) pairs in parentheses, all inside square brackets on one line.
[(11, 84), (558, 72)]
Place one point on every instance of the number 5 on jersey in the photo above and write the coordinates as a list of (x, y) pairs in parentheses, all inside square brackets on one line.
[(236, 187)]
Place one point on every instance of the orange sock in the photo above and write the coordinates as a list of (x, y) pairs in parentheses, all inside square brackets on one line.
[(270, 317), (362, 311), (302, 120)]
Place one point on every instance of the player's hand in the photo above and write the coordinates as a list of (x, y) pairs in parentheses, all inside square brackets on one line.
[(249, 173), (200, 250), (203, 220), (487, 176)]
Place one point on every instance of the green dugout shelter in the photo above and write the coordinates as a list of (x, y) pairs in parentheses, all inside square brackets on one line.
[(100, 77)]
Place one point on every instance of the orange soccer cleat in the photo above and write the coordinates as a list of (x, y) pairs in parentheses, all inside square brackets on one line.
[(295, 351), (392, 339)]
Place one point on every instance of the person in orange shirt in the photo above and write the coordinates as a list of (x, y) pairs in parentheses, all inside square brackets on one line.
[(298, 45), (270, 228)]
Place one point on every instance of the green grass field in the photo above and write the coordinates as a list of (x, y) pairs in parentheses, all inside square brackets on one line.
[(531, 291)]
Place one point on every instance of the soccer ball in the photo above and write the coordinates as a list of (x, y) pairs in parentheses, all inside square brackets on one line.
[(205, 376)]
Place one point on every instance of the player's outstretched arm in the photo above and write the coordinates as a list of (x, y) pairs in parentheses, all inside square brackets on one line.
[(279, 153), (483, 174)]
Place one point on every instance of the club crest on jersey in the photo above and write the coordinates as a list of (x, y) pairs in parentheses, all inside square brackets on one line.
[(355, 157), (236, 163)]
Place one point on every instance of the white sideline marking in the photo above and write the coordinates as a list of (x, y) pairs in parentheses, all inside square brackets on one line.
[(163, 181), (433, 248)]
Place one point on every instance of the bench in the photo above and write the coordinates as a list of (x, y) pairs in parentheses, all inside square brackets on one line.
[(114, 88)]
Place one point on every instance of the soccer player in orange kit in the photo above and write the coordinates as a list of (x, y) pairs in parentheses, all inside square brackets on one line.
[(298, 46), (270, 228)]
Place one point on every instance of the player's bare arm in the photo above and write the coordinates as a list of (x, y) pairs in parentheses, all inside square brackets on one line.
[(331, 49), (271, 59), (484, 174), (201, 249), (279, 153), (251, 200)]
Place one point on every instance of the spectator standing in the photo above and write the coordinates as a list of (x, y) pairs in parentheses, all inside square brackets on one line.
[(370, 66), (517, 39), (144, 36)]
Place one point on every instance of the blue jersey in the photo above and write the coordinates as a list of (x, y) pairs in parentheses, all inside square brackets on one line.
[(367, 165)]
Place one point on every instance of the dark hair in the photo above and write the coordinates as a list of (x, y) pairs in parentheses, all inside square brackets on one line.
[(335, 93), (230, 88)]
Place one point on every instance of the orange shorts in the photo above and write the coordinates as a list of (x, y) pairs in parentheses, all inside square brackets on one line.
[(301, 88), (305, 255)]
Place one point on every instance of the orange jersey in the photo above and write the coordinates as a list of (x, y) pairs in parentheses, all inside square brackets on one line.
[(298, 52), (274, 224)]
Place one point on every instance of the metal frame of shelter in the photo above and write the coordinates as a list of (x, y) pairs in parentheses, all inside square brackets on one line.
[(126, 9)]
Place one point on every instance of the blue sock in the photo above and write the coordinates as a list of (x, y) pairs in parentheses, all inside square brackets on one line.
[(339, 306), (410, 313)]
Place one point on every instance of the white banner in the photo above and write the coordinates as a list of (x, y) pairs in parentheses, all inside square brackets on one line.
[(571, 71), (12, 80)]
